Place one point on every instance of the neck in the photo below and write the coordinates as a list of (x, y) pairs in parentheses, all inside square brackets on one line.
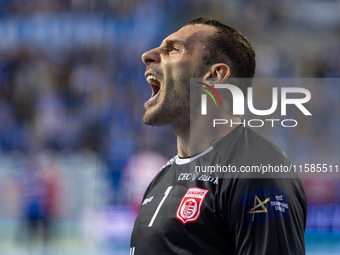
[(197, 136)]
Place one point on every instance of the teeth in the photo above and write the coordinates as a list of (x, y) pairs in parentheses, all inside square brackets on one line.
[(152, 80)]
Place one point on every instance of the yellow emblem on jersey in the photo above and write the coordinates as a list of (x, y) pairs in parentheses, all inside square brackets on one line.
[(260, 203)]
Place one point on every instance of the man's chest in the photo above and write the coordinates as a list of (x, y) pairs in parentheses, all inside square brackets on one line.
[(179, 210)]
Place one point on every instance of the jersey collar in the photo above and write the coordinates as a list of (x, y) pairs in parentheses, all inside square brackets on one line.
[(183, 161)]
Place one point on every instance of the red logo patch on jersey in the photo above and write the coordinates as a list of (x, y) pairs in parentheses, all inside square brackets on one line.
[(189, 209)]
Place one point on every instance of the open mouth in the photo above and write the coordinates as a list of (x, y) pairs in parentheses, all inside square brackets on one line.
[(155, 84)]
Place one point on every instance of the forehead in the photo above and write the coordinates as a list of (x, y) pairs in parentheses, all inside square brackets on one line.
[(190, 34)]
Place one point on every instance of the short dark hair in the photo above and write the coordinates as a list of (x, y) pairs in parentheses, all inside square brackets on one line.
[(229, 46)]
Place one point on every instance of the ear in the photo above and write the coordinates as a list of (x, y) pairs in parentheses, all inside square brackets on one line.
[(218, 71)]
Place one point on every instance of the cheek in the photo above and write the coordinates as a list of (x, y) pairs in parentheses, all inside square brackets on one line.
[(182, 72), (177, 74)]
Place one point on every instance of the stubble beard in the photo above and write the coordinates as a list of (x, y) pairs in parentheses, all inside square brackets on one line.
[(172, 104)]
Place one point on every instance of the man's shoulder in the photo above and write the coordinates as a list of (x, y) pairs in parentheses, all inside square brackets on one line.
[(169, 163)]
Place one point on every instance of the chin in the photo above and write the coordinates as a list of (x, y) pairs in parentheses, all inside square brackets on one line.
[(151, 119), (155, 122), (156, 118), (147, 120)]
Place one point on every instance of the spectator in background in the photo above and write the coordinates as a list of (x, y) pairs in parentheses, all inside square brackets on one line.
[(39, 195)]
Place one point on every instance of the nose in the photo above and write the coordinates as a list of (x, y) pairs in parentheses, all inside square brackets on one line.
[(151, 56)]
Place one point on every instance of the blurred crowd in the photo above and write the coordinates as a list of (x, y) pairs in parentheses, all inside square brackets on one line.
[(90, 97)]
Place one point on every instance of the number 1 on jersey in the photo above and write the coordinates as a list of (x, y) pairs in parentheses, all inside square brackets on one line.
[(166, 193)]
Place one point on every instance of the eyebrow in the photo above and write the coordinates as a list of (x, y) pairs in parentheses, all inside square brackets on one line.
[(168, 42)]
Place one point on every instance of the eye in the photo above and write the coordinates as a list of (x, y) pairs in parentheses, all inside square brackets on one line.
[(173, 48)]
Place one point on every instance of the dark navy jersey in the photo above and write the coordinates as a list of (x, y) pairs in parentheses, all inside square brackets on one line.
[(194, 207)]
